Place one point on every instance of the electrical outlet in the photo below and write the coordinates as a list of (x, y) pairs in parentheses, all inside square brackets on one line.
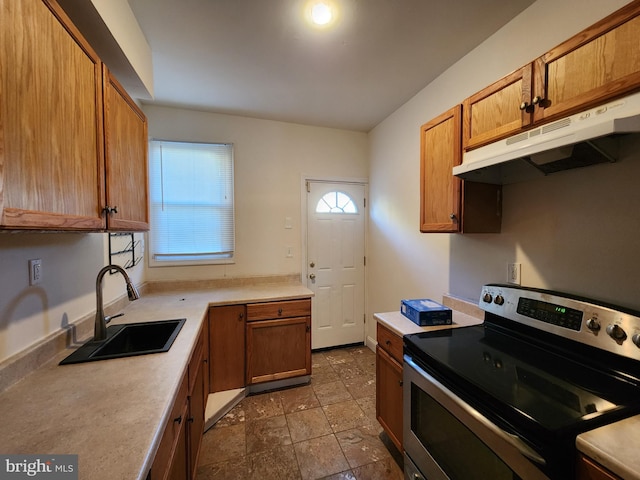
[(513, 273), (35, 271)]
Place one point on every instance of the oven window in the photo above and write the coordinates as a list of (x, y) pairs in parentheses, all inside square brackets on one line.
[(457, 451)]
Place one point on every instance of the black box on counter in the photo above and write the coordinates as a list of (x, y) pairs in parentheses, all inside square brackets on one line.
[(426, 312)]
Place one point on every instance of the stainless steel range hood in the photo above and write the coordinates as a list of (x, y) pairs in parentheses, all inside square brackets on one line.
[(583, 139)]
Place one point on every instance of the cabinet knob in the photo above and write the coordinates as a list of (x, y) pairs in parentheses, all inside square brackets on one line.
[(524, 105), (537, 100), (280, 311), (400, 382), (388, 342), (178, 420), (452, 216), (312, 276), (241, 317), (190, 419), (109, 210)]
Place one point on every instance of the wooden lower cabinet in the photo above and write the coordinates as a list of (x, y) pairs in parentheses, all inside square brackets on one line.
[(177, 455), (588, 469), (278, 349), (227, 347), (389, 384)]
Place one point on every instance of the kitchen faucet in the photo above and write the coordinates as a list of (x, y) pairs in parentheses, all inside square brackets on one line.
[(100, 329)]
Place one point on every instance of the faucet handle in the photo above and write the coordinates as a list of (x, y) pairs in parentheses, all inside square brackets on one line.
[(111, 317)]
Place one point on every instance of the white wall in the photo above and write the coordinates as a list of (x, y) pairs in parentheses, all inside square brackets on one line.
[(270, 158), (70, 263), (574, 231)]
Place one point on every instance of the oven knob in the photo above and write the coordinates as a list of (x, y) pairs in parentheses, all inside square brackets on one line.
[(594, 325), (636, 339), (499, 300), (616, 332), (487, 298)]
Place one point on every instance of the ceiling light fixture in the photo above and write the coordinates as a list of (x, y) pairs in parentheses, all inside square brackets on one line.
[(321, 13)]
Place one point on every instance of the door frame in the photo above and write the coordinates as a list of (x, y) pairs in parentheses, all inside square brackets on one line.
[(368, 340)]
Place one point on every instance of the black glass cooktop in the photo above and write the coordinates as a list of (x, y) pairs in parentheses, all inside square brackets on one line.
[(521, 383)]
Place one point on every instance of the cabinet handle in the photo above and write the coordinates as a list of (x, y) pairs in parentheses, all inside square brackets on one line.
[(308, 328), (190, 419), (400, 382), (537, 100), (241, 316), (178, 420), (388, 342), (109, 210)]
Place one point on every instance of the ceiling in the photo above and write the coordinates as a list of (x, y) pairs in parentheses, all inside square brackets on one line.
[(260, 58)]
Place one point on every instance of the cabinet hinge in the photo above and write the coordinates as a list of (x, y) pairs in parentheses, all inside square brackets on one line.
[(365, 203), (365, 261), (308, 187)]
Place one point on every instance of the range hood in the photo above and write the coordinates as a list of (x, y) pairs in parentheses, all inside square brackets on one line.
[(580, 140)]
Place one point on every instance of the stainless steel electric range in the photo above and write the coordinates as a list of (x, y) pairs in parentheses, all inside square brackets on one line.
[(506, 399)]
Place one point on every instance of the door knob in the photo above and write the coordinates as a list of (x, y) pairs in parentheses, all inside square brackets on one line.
[(312, 276)]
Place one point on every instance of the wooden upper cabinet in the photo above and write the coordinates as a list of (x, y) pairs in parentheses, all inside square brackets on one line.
[(71, 141), (499, 110), (600, 63), (51, 135), (447, 203), (440, 151), (125, 132)]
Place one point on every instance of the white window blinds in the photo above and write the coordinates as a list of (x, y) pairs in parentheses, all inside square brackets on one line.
[(191, 198)]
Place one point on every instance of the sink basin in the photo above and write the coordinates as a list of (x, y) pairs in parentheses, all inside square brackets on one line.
[(129, 340)]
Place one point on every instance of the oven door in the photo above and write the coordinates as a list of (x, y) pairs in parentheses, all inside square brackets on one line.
[(449, 440)]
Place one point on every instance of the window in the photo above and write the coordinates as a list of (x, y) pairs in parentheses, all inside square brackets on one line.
[(336, 202), (191, 199)]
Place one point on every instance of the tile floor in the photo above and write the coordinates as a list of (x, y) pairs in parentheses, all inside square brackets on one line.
[(325, 430)]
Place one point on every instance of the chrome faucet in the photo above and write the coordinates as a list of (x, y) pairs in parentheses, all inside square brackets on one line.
[(100, 329)]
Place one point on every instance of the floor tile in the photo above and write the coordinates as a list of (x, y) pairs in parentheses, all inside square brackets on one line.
[(320, 457), (323, 374), (339, 356), (345, 416), (222, 443), (362, 446), (348, 370), (262, 406), (333, 392), (385, 469), (348, 475), (318, 359), (235, 469), (361, 386), (267, 433), (368, 406), (233, 417), (308, 424), (274, 464), (297, 399)]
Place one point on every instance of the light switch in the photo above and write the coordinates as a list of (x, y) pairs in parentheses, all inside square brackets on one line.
[(287, 223)]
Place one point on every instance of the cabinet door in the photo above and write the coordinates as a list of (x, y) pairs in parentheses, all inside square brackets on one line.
[(600, 63), (278, 349), (389, 395), (588, 469), (439, 189), (178, 467), (499, 110), (196, 417), (51, 136), (226, 347), (126, 159)]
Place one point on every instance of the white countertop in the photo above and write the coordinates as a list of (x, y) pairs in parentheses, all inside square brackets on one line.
[(615, 447), (111, 412), (401, 325)]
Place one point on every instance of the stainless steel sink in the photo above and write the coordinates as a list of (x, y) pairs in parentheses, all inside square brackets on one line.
[(129, 340)]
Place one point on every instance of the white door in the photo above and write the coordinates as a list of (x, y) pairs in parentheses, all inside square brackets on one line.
[(335, 262)]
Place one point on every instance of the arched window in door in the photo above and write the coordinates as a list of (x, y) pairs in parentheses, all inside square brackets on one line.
[(336, 202)]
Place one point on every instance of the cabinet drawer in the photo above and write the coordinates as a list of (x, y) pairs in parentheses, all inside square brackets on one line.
[(390, 342), (170, 435), (269, 310)]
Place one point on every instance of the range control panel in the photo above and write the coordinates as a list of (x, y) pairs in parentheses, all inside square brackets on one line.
[(587, 321)]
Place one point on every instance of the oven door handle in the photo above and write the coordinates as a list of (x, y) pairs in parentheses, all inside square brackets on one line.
[(512, 439)]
